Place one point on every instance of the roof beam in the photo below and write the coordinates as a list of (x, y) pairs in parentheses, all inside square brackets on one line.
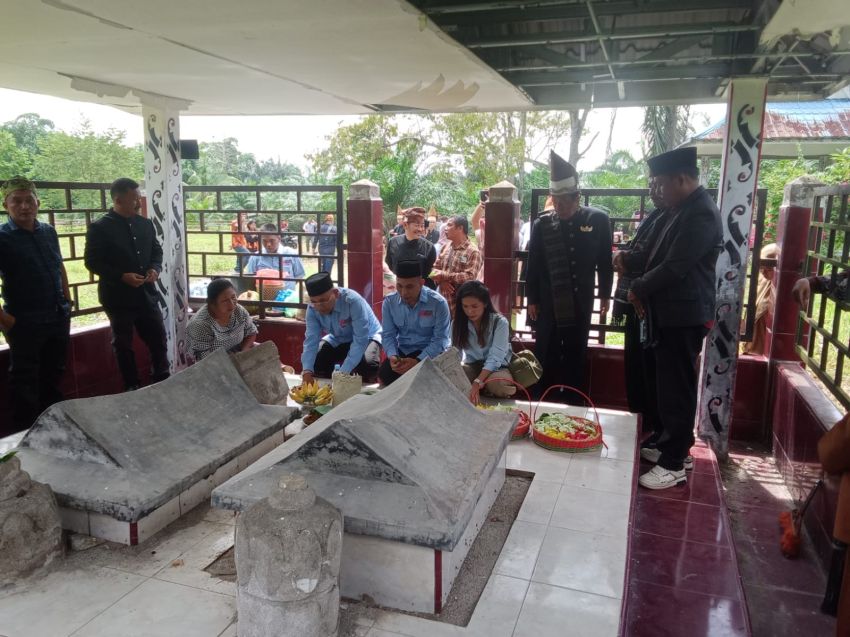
[(502, 12), (672, 48), (599, 38), (621, 34)]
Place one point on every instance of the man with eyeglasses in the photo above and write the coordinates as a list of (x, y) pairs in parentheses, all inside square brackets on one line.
[(341, 330)]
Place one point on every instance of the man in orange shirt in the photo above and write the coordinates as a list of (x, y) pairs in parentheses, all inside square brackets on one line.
[(238, 243)]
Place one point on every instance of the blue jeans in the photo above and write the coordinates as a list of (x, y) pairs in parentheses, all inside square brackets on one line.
[(240, 250), (326, 263)]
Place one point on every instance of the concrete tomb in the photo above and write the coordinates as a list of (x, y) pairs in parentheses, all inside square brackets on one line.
[(30, 529), (124, 466), (414, 469), (449, 362)]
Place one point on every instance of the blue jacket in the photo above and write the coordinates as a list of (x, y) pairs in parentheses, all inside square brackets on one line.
[(351, 321), (425, 326)]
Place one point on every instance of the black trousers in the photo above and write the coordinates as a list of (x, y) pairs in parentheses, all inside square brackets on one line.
[(640, 378), (562, 351), (147, 321), (676, 377), (37, 357), (386, 374), (328, 356)]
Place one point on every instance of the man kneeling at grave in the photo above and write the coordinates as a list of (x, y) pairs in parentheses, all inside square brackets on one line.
[(415, 323), (341, 330)]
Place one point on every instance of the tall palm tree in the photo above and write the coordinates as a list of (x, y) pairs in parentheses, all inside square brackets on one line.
[(664, 128)]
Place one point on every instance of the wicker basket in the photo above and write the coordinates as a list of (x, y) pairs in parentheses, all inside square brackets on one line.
[(586, 445), (524, 424)]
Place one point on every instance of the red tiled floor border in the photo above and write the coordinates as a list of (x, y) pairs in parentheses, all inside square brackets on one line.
[(638, 581)]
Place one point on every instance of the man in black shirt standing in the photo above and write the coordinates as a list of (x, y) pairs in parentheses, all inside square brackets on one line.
[(37, 305), (122, 249), (412, 246), (675, 298), (567, 250)]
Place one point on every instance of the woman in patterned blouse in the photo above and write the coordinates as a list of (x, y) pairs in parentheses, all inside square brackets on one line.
[(221, 324)]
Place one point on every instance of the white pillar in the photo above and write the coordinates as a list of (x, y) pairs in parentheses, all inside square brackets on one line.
[(737, 198), (164, 192)]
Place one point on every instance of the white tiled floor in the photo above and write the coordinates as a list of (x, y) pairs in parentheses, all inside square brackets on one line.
[(560, 572)]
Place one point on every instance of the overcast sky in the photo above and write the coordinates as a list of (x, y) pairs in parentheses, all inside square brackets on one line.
[(289, 138)]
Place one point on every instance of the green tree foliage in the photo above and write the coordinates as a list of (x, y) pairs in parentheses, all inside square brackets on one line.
[(28, 129), (664, 128), (13, 160)]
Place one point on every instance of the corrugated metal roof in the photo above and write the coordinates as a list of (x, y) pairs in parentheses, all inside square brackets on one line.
[(796, 120)]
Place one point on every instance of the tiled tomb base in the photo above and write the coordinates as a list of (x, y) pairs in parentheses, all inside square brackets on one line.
[(132, 533), (126, 465), (407, 576)]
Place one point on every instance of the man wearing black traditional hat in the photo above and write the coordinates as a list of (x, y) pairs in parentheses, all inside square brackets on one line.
[(37, 304), (675, 297), (341, 330), (568, 249), (415, 322)]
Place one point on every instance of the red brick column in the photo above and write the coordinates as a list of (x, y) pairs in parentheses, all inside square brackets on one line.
[(501, 239), (365, 225), (792, 236)]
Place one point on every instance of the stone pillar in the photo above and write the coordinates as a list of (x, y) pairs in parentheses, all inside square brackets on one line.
[(164, 198), (501, 231), (30, 528), (366, 242), (737, 197), (792, 237), (288, 552)]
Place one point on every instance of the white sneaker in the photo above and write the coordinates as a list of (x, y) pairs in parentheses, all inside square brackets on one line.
[(661, 478), (650, 454)]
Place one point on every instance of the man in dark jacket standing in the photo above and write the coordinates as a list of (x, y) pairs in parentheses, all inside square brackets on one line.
[(122, 249), (567, 250), (36, 304), (675, 297)]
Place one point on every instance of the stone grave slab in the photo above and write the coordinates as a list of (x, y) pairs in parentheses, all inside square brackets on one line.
[(414, 469), (124, 466)]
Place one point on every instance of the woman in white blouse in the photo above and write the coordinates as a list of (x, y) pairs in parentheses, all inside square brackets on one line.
[(483, 335), (221, 324)]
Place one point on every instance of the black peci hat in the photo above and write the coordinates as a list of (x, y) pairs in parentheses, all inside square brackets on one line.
[(408, 269), (318, 283), (673, 162)]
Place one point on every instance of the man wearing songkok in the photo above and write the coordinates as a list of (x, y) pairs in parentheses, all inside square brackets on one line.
[(675, 299), (278, 257), (341, 330), (568, 249), (411, 246), (416, 323), (122, 249), (458, 262), (36, 304)]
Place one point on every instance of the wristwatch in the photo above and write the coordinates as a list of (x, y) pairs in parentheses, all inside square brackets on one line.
[(478, 381)]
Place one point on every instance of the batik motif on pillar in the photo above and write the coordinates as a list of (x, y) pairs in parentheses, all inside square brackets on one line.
[(737, 194), (164, 191)]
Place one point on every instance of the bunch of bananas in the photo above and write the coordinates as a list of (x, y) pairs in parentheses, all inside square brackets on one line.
[(312, 393)]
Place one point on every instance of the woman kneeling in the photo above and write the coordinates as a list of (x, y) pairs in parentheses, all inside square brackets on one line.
[(483, 335), (221, 324)]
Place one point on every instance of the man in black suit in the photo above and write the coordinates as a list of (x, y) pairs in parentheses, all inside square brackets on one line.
[(122, 249), (675, 298), (567, 250)]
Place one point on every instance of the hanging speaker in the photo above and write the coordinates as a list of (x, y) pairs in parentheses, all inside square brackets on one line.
[(189, 149)]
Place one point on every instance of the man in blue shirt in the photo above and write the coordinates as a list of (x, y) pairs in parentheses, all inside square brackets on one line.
[(273, 259), (415, 323), (37, 305), (341, 330)]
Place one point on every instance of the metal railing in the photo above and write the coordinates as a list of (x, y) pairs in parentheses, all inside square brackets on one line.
[(626, 207), (823, 328), (210, 210)]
